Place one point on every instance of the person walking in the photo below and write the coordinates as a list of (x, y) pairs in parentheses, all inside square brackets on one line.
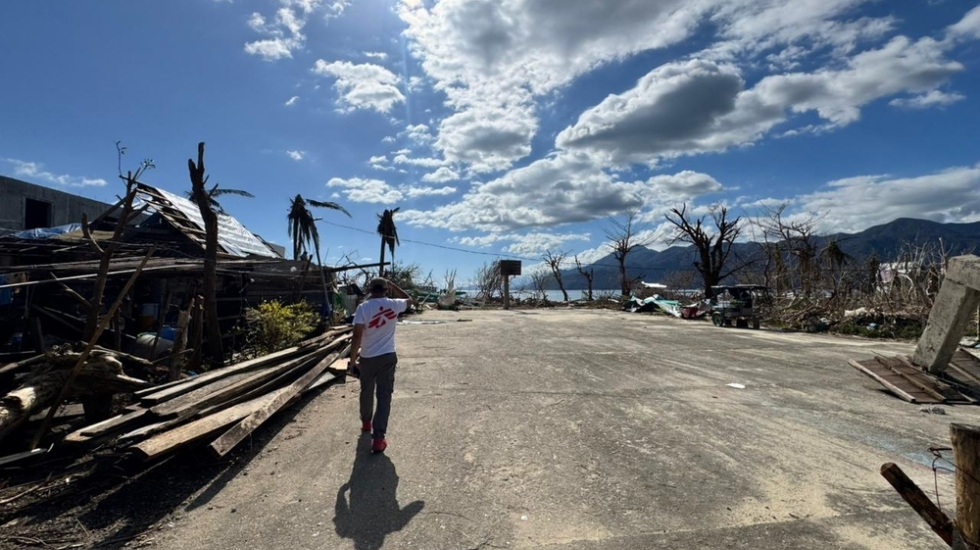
[(373, 354)]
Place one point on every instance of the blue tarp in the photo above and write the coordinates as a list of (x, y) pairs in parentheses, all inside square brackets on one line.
[(41, 233)]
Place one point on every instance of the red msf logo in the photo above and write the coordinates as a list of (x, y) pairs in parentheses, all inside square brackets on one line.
[(379, 318)]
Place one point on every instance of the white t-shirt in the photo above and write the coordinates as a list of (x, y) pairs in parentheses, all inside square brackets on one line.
[(379, 317)]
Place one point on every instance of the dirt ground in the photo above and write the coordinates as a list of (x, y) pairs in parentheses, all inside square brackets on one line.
[(553, 428)]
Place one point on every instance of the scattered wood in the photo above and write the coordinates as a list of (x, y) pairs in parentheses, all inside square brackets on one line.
[(966, 456), (193, 431), (221, 446), (913, 384), (100, 374), (919, 502)]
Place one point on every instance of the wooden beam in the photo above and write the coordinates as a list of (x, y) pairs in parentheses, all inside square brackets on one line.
[(193, 383), (187, 434), (919, 502), (891, 387), (88, 350), (224, 444), (966, 456), (912, 379), (184, 407)]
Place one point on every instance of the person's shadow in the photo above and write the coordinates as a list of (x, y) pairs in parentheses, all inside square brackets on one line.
[(371, 510)]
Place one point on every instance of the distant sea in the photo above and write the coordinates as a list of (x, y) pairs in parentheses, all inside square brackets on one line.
[(556, 295)]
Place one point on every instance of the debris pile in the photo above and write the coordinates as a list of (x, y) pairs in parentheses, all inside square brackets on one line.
[(219, 408)]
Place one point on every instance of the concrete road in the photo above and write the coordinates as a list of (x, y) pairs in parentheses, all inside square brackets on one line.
[(591, 430)]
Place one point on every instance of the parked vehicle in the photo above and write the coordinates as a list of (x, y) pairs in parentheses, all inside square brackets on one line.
[(736, 303)]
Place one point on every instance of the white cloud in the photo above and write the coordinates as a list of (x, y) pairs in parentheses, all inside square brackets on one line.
[(402, 158), (560, 189), (420, 191), (493, 59), (952, 195), (296, 155), (685, 184), (933, 98), (364, 86), (292, 100), (525, 244), (388, 139), (273, 49), (550, 191), (36, 171), (366, 190), (415, 83), (699, 106), (967, 28), (376, 55), (379, 159), (419, 133), (441, 175)]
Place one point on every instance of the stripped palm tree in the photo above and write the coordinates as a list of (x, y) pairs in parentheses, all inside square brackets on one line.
[(389, 237), (302, 229), (216, 192)]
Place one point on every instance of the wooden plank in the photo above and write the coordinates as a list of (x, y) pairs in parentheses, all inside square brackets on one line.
[(12, 367), (891, 387), (185, 407), (950, 393), (221, 446), (159, 387), (201, 380), (966, 454), (110, 425), (912, 379), (919, 502), (191, 432), (206, 378), (324, 379)]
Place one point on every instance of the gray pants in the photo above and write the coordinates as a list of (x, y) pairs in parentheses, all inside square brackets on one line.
[(377, 372)]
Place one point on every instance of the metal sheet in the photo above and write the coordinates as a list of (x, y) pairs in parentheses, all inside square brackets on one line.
[(233, 237)]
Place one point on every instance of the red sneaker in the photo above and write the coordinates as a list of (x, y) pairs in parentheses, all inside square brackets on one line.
[(379, 446), (366, 426)]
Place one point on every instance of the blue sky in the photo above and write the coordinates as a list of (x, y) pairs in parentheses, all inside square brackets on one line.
[(505, 127)]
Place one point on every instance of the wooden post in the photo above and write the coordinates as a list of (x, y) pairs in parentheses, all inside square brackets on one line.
[(918, 500), (966, 456), (180, 339), (161, 319), (37, 333), (506, 291), (88, 350)]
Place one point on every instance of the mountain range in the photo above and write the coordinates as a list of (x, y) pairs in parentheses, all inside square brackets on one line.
[(886, 241)]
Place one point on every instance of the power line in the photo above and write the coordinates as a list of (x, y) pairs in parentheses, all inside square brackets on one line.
[(493, 254)]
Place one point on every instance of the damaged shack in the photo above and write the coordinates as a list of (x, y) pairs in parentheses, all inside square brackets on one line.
[(45, 273)]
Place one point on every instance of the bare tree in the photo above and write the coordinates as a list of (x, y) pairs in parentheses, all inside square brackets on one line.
[(714, 247), (554, 261), (588, 274), (488, 281), (539, 283), (106, 250), (198, 183), (623, 238), (797, 238)]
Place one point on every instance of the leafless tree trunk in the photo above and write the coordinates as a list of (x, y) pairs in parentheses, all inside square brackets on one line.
[(588, 274), (198, 182), (488, 281), (554, 261), (622, 239), (714, 248), (539, 281)]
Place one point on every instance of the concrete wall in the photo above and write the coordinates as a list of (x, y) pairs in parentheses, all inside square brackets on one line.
[(65, 207)]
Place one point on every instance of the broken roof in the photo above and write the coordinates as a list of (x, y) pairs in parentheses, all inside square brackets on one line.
[(233, 238)]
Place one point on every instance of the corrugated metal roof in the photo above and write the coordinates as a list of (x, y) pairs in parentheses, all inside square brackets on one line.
[(233, 237)]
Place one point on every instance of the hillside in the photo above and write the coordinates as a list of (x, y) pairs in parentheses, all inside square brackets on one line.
[(885, 240)]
